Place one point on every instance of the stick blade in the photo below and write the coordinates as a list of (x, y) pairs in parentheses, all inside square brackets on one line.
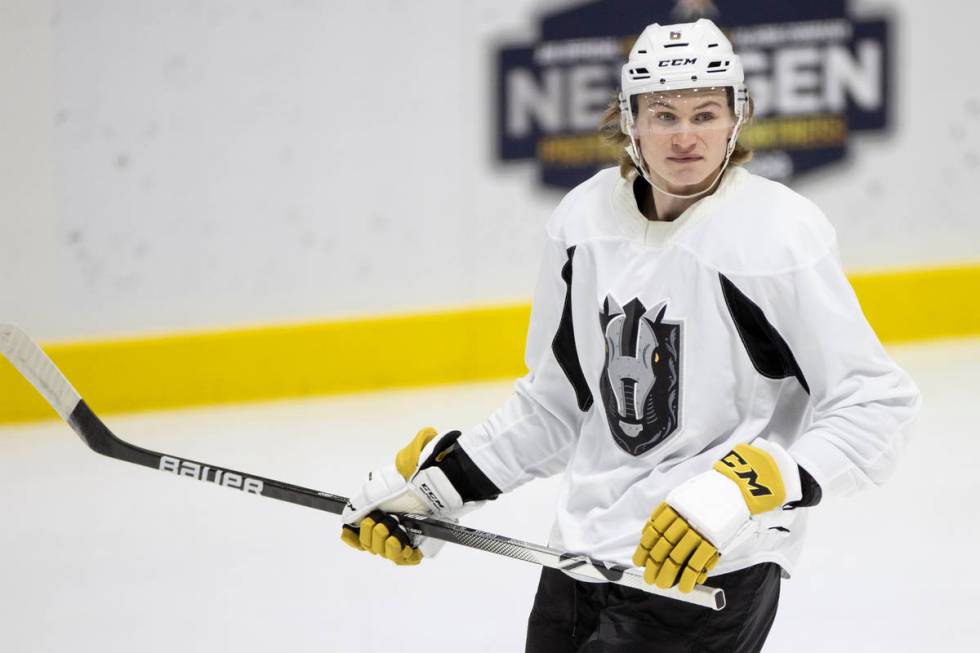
[(31, 361)]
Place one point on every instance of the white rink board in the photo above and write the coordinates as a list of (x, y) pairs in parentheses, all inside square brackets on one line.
[(185, 165), (100, 555)]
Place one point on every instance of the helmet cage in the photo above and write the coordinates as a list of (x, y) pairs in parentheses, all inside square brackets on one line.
[(628, 107)]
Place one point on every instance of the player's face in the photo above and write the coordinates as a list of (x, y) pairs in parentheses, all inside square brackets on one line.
[(683, 136)]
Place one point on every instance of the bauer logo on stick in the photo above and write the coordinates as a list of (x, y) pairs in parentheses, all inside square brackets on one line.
[(210, 474)]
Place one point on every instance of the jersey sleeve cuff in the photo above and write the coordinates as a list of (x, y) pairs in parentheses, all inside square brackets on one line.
[(463, 474), (827, 465)]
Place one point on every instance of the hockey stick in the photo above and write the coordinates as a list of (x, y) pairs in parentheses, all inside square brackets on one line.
[(31, 361)]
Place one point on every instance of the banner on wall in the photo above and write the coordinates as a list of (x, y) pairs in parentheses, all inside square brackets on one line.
[(816, 73)]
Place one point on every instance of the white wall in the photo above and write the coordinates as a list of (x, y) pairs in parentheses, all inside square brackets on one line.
[(904, 197), (28, 225), (203, 164)]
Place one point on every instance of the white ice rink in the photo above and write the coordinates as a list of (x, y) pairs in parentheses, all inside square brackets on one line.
[(100, 555)]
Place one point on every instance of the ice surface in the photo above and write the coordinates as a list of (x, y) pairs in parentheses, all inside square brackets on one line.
[(101, 555)]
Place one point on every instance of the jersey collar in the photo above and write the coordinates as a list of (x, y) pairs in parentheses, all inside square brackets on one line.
[(656, 233)]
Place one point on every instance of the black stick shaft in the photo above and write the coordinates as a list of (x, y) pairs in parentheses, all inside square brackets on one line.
[(31, 361), (98, 436)]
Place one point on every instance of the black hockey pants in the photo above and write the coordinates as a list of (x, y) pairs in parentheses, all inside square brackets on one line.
[(571, 616)]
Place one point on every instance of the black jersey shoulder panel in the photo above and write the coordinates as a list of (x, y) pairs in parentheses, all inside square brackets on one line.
[(768, 351), (563, 344)]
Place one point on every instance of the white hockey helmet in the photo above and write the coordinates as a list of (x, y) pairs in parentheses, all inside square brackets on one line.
[(678, 58)]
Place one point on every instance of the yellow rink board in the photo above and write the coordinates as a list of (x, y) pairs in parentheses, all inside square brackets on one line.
[(376, 353)]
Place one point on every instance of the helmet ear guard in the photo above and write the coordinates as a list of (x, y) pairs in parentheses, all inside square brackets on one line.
[(625, 115)]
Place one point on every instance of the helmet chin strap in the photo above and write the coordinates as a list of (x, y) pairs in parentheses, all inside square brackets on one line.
[(698, 193), (637, 157)]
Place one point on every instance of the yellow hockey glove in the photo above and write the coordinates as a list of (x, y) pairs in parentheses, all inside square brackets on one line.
[(671, 552), (399, 488), (382, 535), (709, 514)]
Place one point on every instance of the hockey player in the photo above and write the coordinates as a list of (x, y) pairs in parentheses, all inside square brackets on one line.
[(700, 370)]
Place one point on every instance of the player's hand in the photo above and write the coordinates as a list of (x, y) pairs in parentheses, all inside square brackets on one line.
[(382, 534), (369, 522), (708, 515)]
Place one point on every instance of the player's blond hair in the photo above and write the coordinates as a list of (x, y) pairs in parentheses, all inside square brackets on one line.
[(610, 130)]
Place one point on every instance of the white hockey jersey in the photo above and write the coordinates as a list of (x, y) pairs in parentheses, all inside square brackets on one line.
[(655, 347)]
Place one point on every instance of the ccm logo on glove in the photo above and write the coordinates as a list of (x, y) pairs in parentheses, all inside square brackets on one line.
[(745, 465), (737, 463)]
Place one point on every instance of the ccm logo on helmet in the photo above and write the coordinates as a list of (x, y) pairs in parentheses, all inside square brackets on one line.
[(667, 63)]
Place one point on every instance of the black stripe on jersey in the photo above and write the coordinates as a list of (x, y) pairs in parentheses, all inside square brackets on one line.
[(812, 492), (563, 346), (769, 353)]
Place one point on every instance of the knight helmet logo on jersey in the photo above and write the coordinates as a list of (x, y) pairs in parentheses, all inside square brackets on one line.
[(640, 382)]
